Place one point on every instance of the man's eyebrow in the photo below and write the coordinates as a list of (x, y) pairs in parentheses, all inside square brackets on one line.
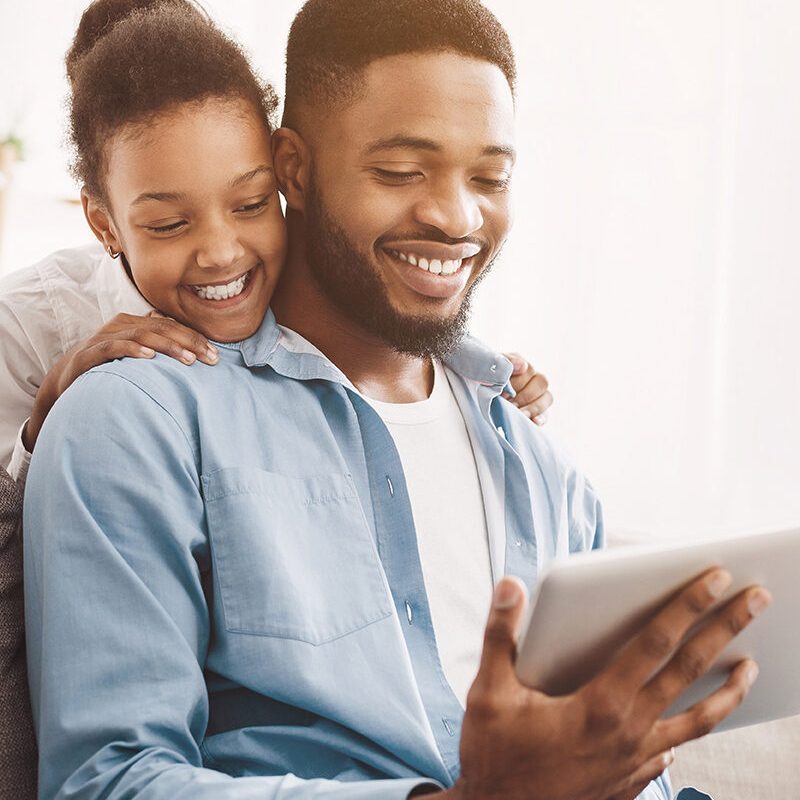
[(501, 150), (248, 176), (402, 141), (159, 196)]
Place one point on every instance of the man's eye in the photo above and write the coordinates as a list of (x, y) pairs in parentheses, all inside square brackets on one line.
[(494, 184), (395, 176), (173, 226)]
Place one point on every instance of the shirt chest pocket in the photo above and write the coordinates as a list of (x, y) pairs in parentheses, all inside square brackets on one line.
[(292, 557)]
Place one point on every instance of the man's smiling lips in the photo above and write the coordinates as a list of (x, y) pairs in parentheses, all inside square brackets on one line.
[(433, 269)]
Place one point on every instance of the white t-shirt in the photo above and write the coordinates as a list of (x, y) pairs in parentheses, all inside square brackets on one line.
[(45, 310), (442, 478)]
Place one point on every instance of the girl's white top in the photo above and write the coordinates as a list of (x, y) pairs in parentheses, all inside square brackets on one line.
[(45, 310)]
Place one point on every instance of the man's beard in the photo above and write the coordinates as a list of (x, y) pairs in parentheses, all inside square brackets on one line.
[(350, 281)]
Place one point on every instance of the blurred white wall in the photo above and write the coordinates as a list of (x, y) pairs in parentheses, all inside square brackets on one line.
[(652, 272)]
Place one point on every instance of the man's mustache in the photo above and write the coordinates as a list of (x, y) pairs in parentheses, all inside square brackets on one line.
[(429, 236)]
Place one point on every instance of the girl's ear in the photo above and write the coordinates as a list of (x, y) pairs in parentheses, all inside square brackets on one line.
[(100, 221), (292, 161)]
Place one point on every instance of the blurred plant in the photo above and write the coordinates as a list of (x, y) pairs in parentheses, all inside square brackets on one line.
[(13, 141)]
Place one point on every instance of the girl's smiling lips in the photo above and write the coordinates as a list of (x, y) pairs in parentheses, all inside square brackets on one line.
[(221, 295)]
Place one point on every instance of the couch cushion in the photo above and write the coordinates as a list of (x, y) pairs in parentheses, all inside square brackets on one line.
[(17, 744), (757, 763)]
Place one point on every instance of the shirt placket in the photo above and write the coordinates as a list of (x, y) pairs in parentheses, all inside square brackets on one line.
[(397, 546)]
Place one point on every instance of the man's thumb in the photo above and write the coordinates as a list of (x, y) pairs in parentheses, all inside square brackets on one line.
[(500, 638), (508, 593)]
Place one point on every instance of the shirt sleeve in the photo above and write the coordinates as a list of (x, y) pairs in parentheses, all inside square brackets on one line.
[(118, 626), (20, 459), (21, 373), (17, 743)]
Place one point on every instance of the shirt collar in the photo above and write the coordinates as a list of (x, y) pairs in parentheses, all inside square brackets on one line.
[(475, 361), (289, 354)]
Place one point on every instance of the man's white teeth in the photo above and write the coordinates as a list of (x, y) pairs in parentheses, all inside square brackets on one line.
[(434, 265), (221, 292)]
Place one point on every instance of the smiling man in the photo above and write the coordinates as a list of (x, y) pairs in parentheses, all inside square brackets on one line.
[(293, 603)]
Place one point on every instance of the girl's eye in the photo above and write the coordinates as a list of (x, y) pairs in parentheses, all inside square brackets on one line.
[(396, 177), (173, 226), (254, 206)]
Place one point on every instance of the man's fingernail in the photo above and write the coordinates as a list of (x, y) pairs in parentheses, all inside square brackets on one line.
[(758, 601), (718, 582), (506, 595), (212, 353), (211, 348), (188, 357), (752, 673)]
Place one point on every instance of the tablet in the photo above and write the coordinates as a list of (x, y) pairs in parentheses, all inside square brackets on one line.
[(586, 606)]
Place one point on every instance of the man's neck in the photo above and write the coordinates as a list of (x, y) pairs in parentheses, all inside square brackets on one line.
[(373, 367)]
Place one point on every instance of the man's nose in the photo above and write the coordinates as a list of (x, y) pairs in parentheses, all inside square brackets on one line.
[(453, 208), (220, 246)]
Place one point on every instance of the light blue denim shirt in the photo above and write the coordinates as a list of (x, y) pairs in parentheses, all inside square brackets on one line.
[(217, 566)]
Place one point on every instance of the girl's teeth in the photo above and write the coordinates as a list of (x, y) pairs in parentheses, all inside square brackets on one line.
[(231, 289), (412, 260), (423, 264), (436, 266)]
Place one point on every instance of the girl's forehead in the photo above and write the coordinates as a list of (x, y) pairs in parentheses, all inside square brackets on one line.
[(194, 148)]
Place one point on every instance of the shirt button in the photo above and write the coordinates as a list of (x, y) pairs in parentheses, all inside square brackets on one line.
[(493, 368), (390, 485), (518, 543), (409, 613)]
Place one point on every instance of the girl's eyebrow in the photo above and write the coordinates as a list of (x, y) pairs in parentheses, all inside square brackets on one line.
[(262, 169), (158, 196), (248, 176)]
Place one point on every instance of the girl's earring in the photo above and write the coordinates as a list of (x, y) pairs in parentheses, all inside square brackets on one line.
[(110, 251)]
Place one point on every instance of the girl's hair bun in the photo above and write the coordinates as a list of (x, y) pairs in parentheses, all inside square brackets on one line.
[(102, 15)]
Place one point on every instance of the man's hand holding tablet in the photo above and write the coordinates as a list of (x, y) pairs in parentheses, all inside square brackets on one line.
[(606, 740)]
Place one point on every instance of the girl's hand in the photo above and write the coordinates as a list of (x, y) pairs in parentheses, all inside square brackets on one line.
[(533, 397), (124, 336)]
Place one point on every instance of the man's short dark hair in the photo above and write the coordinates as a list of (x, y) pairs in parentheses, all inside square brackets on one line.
[(332, 41)]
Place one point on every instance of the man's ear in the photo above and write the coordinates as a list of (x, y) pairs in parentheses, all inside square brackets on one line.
[(291, 158), (100, 221)]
